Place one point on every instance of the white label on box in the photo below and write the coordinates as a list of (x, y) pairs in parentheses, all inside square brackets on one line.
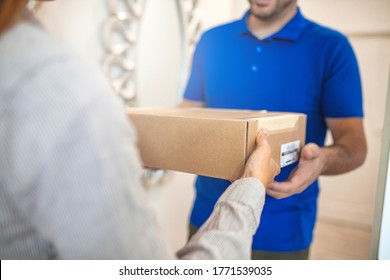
[(289, 153)]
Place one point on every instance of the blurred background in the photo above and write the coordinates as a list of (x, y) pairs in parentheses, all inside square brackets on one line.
[(161, 59)]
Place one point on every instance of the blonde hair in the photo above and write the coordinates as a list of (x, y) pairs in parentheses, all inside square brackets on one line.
[(10, 10)]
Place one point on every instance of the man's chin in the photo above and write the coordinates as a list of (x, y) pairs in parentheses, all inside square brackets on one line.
[(262, 15)]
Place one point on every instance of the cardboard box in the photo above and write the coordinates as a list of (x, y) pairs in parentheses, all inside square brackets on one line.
[(213, 142)]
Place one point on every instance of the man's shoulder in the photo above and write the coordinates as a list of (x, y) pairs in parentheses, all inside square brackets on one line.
[(223, 30), (324, 33)]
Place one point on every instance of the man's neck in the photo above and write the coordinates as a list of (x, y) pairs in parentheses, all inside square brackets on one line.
[(263, 28)]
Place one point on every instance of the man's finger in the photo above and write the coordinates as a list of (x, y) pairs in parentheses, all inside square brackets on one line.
[(276, 194), (283, 187), (310, 151)]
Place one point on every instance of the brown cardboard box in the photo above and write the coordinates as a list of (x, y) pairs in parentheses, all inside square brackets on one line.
[(213, 142)]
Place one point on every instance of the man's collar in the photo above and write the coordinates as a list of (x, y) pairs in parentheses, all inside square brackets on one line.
[(290, 31)]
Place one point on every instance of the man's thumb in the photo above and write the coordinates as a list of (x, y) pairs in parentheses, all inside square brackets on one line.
[(310, 151)]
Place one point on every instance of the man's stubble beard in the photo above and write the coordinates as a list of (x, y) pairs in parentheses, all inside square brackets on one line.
[(272, 14)]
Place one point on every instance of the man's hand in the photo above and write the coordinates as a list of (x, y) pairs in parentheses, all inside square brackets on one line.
[(347, 152), (260, 165), (308, 170)]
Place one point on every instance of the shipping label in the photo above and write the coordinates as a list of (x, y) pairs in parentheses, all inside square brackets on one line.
[(289, 153)]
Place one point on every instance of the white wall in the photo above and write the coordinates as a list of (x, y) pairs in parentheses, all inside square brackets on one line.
[(78, 24), (384, 242), (158, 58)]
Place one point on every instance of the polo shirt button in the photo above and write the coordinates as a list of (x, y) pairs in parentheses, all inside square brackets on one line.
[(254, 68), (259, 49)]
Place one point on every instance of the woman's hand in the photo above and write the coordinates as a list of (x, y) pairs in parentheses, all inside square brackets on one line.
[(260, 165)]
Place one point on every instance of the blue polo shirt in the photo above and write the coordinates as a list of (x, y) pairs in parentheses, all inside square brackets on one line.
[(305, 68)]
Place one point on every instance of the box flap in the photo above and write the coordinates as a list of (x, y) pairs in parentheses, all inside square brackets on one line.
[(201, 113)]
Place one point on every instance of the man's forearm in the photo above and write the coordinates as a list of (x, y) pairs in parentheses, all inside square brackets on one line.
[(342, 158), (349, 147)]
